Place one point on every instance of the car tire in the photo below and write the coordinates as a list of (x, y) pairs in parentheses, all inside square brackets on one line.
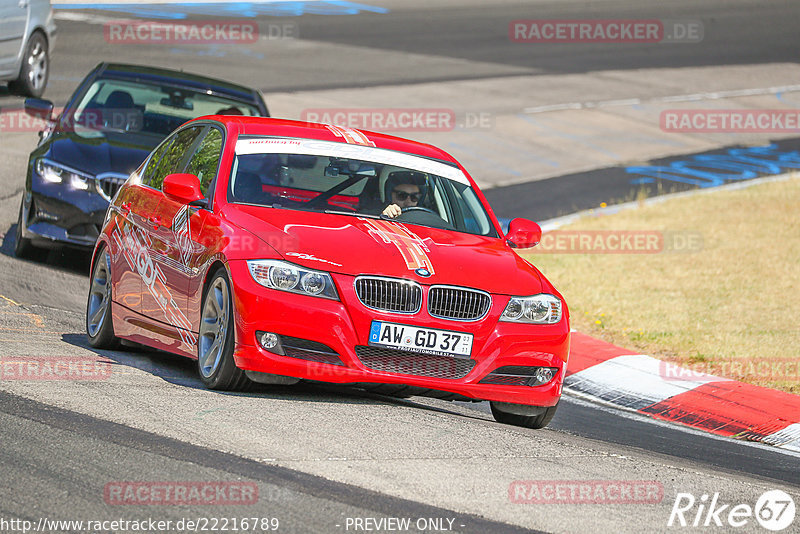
[(35, 68), (23, 248), (99, 321), (215, 343), (537, 421)]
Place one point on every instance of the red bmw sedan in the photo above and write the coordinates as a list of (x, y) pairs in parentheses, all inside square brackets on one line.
[(274, 251)]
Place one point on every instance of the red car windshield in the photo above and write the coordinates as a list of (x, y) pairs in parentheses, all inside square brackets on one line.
[(350, 186)]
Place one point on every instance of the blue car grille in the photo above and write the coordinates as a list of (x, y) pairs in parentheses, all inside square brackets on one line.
[(109, 184)]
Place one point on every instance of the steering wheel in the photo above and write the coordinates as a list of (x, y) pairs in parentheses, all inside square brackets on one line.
[(423, 216), (419, 208)]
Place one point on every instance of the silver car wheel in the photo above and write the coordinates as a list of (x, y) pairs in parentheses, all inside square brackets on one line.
[(214, 327), (99, 296), (37, 66)]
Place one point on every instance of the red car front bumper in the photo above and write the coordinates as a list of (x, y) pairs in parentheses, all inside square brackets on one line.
[(345, 325)]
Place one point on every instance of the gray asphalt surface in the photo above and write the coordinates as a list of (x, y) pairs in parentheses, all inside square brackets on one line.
[(479, 33), (95, 452), (321, 455)]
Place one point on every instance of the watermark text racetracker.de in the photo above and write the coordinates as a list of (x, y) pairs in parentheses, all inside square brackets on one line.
[(730, 120), (16, 120), (414, 364), (180, 493), (149, 524), (749, 369), (400, 119), (50, 368), (605, 31), (223, 31), (585, 492), (619, 242)]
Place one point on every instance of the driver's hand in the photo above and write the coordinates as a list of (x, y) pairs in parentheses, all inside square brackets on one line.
[(392, 211)]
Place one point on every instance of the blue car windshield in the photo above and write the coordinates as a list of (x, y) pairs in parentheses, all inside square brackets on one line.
[(116, 105)]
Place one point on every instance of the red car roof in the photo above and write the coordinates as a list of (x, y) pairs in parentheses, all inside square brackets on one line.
[(325, 132)]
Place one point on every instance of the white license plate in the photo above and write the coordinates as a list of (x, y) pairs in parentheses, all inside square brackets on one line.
[(422, 340)]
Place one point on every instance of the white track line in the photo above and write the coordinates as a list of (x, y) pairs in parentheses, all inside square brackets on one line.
[(694, 97)]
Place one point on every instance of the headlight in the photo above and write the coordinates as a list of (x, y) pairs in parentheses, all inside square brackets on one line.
[(538, 309), (58, 174), (286, 276)]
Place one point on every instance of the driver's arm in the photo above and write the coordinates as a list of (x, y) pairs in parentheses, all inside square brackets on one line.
[(392, 211)]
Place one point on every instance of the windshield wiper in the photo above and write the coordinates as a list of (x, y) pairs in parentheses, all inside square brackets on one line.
[(353, 213)]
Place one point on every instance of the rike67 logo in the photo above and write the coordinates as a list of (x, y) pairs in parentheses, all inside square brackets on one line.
[(774, 510)]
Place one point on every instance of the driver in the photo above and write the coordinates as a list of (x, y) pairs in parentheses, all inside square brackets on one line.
[(403, 190)]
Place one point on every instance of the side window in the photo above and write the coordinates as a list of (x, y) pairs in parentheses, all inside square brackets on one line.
[(205, 161), (174, 156), (147, 175)]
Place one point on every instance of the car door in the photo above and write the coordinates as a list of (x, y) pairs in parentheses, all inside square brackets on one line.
[(13, 23), (163, 286), (130, 260), (183, 250)]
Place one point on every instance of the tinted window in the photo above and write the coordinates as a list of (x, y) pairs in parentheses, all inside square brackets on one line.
[(146, 108), (154, 159), (174, 157), (327, 179), (205, 161)]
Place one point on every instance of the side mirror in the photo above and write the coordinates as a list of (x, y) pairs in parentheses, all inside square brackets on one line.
[(182, 187), (523, 233), (36, 107)]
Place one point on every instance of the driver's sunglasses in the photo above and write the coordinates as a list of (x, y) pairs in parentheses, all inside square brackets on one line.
[(402, 195)]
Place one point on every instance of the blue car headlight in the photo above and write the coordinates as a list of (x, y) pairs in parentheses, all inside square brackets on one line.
[(55, 173), (285, 276)]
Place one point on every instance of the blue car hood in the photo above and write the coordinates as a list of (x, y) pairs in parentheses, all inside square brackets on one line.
[(119, 152)]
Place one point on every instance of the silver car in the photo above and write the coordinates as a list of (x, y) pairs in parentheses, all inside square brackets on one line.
[(27, 35)]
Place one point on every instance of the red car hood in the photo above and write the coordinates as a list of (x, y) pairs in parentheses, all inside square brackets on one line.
[(361, 245)]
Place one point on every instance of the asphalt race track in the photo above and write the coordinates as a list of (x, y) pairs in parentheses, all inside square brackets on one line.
[(545, 129)]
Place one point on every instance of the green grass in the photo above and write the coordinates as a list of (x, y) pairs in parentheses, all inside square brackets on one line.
[(736, 299)]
